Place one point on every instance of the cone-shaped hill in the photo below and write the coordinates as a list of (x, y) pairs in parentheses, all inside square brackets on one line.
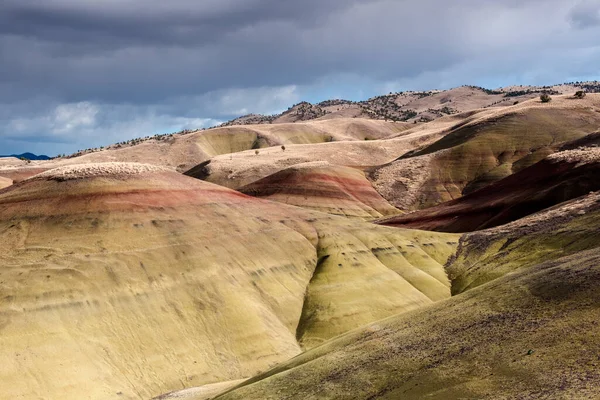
[(560, 177), (323, 187), (122, 280)]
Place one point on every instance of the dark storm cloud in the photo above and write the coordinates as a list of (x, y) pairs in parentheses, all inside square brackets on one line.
[(99, 71), (111, 50)]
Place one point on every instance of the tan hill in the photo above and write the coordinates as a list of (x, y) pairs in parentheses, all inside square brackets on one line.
[(243, 168), (11, 162), (323, 187), (483, 149), (560, 177), (15, 170), (5, 182), (186, 150), (123, 280), (415, 106), (529, 335)]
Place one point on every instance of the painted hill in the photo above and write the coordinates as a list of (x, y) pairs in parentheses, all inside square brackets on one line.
[(143, 281), (517, 288), (562, 230), (323, 187), (560, 177), (506, 339), (483, 149), (130, 280)]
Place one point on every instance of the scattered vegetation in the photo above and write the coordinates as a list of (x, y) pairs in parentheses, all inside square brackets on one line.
[(487, 91), (166, 137), (545, 98), (389, 107)]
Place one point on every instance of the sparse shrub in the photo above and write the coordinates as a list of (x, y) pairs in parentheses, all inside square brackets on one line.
[(256, 152), (515, 103), (283, 147), (580, 94), (545, 98)]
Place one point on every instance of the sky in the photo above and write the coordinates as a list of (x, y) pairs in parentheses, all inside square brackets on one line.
[(83, 73)]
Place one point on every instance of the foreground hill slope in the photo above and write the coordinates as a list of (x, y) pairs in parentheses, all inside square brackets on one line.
[(502, 340), (144, 281), (323, 187), (560, 177), (484, 149)]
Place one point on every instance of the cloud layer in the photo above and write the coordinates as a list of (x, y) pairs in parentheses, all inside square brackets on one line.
[(83, 73)]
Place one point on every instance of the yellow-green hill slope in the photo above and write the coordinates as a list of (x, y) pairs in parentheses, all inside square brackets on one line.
[(127, 281), (529, 335)]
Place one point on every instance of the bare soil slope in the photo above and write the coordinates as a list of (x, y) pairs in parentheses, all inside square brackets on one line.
[(323, 187), (485, 149), (532, 334), (565, 229), (560, 177), (183, 151), (128, 280), (240, 169)]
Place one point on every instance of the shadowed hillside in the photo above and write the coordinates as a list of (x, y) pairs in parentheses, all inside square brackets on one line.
[(558, 178), (561, 230)]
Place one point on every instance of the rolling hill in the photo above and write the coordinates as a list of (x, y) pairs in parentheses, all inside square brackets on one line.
[(558, 178), (323, 187), (504, 340), (483, 149), (265, 271), (143, 281)]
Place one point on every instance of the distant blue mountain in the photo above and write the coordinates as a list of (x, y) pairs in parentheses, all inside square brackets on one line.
[(29, 156)]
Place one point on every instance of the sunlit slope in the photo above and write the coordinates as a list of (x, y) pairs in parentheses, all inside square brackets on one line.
[(141, 283), (134, 280), (485, 150), (5, 182), (365, 274), (323, 187), (532, 334), (240, 169), (185, 150), (560, 177)]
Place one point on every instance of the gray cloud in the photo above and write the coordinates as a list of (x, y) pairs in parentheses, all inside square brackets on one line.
[(586, 14), (183, 61)]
